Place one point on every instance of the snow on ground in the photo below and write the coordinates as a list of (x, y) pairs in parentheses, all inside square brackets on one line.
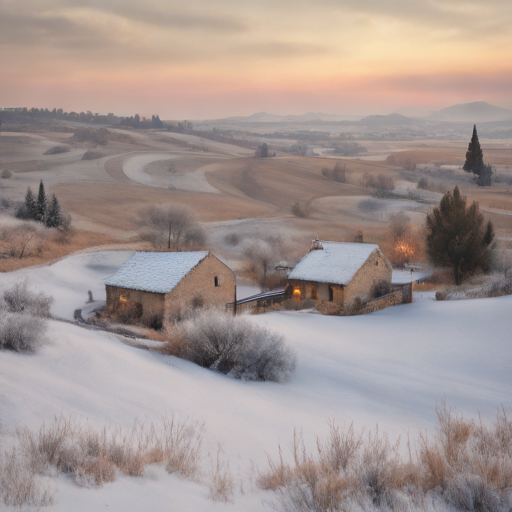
[(405, 276), (388, 367), (211, 145), (135, 169), (69, 279)]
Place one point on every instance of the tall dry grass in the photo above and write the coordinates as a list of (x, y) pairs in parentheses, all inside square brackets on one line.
[(222, 483), (93, 457), (19, 484), (466, 465)]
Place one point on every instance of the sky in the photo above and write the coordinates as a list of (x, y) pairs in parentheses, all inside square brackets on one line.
[(204, 59)]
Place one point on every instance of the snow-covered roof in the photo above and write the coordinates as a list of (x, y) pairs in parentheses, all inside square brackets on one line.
[(336, 263), (157, 272)]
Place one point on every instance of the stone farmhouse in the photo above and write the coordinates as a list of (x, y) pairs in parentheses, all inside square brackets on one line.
[(152, 287), (340, 272)]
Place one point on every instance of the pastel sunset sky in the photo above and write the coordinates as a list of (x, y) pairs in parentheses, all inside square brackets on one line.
[(215, 58)]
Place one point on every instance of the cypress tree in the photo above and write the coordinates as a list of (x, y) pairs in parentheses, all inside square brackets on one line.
[(30, 205), (53, 218), (474, 157), (42, 204)]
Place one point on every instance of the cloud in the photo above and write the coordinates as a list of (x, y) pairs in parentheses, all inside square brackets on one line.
[(32, 29), (156, 13), (279, 49), (179, 20)]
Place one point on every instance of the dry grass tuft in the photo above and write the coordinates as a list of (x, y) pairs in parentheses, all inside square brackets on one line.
[(222, 483), (93, 458), (19, 485), (465, 466)]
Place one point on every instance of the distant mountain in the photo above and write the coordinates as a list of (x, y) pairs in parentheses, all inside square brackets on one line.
[(476, 112), (391, 120), (412, 111), (264, 117)]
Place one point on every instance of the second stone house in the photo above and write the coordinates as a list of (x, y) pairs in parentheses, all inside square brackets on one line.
[(340, 272)]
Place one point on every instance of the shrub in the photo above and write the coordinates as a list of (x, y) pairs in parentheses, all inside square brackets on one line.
[(92, 155), (232, 239), (423, 183), (22, 332), (96, 136), (56, 150), (235, 346), (381, 183), (20, 299), (6, 174), (338, 173), (371, 205), (23, 316)]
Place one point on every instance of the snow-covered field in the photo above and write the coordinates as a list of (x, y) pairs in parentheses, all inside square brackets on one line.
[(69, 279), (387, 368), (135, 168)]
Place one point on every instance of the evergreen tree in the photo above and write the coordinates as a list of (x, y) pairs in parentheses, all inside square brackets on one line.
[(54, 217), (41, 204), (474, 156), (458, 238), (30, 205)]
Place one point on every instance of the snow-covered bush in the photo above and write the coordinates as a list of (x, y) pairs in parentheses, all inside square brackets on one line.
[(22, 332), (235, 346), (20, 299), (23, 316)]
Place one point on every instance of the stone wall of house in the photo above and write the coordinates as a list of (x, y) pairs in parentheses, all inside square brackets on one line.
[(375, 269), (401, 296), (199, 287), (120, 299)]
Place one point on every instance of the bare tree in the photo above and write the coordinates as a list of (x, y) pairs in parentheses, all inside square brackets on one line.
[(264, 254), (16, 238), (168, 226)]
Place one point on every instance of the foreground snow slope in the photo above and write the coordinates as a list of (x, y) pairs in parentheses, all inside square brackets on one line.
[(389, 367)]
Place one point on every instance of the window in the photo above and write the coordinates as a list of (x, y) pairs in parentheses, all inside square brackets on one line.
[(216, 280)]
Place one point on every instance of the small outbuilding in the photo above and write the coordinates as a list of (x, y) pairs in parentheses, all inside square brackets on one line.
[(153, 286), (340, 272)]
